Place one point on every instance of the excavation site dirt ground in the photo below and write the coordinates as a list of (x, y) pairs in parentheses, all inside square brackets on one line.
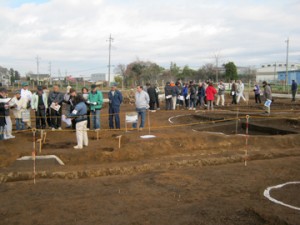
[(192, 172)]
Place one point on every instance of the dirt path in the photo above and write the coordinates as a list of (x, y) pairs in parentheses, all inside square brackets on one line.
[(227, 194)]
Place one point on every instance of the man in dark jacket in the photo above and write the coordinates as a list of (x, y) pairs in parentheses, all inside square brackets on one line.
[(55, 101), (3, 108), (115, 100), (233, 92), (168, 96), (192, 93), (201, 94), (152, 95), (294, 90)]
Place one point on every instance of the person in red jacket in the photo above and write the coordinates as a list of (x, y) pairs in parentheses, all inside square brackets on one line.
[(210, 96)]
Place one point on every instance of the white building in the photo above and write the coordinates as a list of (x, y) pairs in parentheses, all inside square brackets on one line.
[(98, 77), (269, 72)]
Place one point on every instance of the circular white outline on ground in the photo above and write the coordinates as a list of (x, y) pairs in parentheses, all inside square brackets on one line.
[(268, 196), (173, 117)]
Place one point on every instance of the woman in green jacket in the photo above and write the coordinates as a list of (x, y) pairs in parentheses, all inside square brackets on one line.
[(95, 100)]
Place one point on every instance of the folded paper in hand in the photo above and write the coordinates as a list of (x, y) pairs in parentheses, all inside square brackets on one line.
[(268, 103), (55, 107), (66, 120)]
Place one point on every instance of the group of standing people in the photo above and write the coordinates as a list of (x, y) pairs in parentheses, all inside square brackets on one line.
[(82, 108), (86, 108), (189, 95), (20, 105), (237, 91)]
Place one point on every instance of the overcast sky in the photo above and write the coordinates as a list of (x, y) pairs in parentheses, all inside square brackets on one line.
[(73, 34)]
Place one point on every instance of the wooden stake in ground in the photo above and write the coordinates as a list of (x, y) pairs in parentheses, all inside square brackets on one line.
[(237, 121), (119, 137), (247, 129), (149, 121), (33, 152), (44, 137)]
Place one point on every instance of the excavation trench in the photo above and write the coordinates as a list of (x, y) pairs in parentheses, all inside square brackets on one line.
[(232, 125)]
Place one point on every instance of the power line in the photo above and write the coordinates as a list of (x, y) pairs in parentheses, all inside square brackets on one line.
[(78, 71)]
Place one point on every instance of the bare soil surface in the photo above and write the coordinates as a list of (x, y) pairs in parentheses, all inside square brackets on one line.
[(193, 172)]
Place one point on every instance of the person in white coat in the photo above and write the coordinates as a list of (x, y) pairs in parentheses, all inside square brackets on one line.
[(26, 94), (19, 105), (240, 91), (7, 131), (39, 103)]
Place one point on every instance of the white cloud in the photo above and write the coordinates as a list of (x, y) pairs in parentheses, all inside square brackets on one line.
[(72, 34)]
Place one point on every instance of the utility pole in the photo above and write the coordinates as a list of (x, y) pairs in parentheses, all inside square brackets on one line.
[(37, 69), (217, 56), (275, 72), (50, 68), (287, 63), (109, 56), (50, 71)]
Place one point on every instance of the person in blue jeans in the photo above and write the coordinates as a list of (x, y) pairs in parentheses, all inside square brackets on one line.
[(142, 104), (95, 100), (115, 100)]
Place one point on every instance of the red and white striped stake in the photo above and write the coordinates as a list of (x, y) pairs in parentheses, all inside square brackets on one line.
[(247, 136), (34, 153)]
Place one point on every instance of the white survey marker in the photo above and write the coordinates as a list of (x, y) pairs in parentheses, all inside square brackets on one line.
[(148, 136), (43, 157), (268, 196)]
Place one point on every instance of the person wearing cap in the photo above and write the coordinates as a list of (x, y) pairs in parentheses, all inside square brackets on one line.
[(26, 93), (294, 89), (39, 103), (268, 96), (115, 100), (55, 101), (95, 100), (19, 105)]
